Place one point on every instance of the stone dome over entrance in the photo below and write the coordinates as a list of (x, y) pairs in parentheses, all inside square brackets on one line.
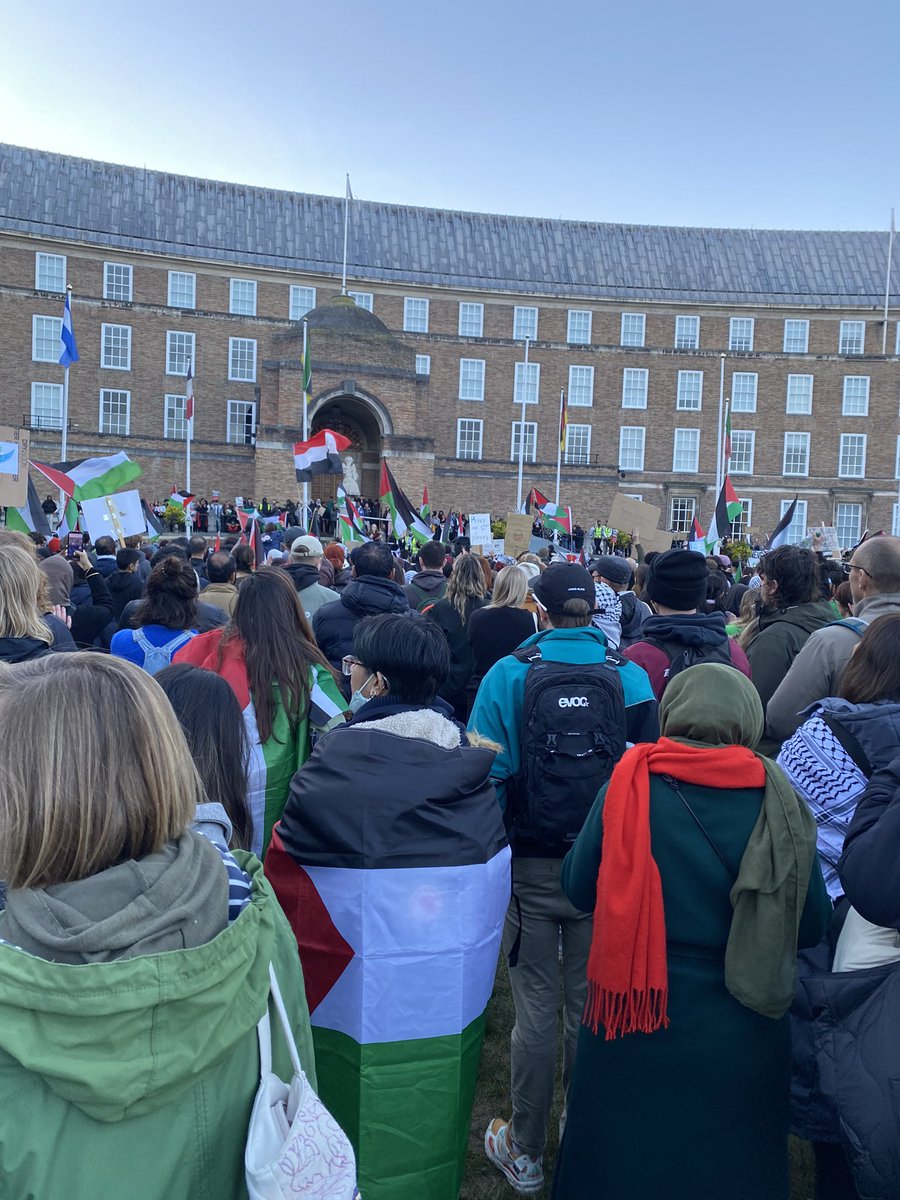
[(341, 315)]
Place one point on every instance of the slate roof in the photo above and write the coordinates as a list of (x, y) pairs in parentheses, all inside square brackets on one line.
[(129, 208)]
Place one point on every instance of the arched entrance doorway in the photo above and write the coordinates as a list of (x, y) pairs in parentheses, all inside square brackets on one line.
[(365, 422)]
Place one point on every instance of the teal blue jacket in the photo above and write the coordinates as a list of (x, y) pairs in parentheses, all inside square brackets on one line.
[(497, 713)]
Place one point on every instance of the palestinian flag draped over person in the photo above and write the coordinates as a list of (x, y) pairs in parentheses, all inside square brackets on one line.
[(321, 455), (555, 517), (31, 518), (398, 907), (404, 518), (274, 762), (91, 478), (728, 509), (779, 535)]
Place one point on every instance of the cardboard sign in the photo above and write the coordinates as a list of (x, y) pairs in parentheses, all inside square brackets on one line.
[(117, 516), (518, 534), (628, 514), (480, 529), (824, 537), (656, 539), (15, 446)]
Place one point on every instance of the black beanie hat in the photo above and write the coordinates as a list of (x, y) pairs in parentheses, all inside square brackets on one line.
[(677, 579)]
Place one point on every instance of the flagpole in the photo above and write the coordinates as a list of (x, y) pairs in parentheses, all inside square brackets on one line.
[(720, 444), (887, 286), (188, 523), (346, 224), (562, 393), (306, 398), (64, 446), (522, 430)]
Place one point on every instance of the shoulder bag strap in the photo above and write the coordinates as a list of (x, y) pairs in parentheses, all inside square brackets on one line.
[(285, 1022), (719, 855), (849, 742)]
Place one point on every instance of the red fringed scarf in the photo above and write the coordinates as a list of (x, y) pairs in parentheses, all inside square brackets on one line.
[(628, 979)]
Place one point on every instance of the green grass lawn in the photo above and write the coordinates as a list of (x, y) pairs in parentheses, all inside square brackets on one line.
[(483, 1181)]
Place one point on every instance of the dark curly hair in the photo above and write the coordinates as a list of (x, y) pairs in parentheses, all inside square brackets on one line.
[(796, 571), (171, 595)]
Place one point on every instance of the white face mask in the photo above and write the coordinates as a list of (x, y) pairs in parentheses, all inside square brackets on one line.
[(357, 700)]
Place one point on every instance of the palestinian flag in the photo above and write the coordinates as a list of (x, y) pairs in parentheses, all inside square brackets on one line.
[(398, 908), (779, 535), (91, 478), (697, 539), (154, 529), (554, 516), (31, 518), (272, 763), (181, 499), (727, 438), (321, 455), (426, 507), (563, 420), (728, 509), (404, 518), (70, 520), (351, 527)]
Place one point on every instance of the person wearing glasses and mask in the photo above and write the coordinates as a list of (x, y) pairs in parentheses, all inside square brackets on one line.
[(874, 574)]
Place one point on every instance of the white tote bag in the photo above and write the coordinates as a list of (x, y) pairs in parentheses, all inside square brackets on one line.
[(295, 1148)]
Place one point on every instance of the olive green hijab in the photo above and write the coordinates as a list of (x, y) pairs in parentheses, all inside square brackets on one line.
[(715, 705)]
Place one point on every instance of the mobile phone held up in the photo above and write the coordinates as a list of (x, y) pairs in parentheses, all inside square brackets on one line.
[(74, 544)]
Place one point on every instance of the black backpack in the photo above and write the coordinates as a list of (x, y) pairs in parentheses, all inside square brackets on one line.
[(573, 734), (681, 657)]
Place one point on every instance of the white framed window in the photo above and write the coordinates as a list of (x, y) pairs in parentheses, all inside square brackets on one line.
[(578, 327), (578, 445), (852, 456), (471, 319), (242, 359), (415, 315), (689, 397), (469, 437), (856, 396), (115, 412), (796, 337), (363, 299), (634, 387), (115, 347), (632, 440), (49, 272), (796, 454), (182, 289), (740, 333), (796, 531), (242, 300), (301, 301), (530, 454), (686, 450), (471, 379), (895, 523), (799, 394), (743, 447), (633, 329), (897, 459), (45, 343), (897, 343), (681, 513), (423, 364), (525, 323), (527, 383), (852, 339), (581, 387), (180, 350), (241, 428), (46, 405), (743, 391), (174, 422), (848, 524), (741, 522), (118, 281), (687, 333)]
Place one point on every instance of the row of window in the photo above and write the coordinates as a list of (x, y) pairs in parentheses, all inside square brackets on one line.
[(115, 414), (685, 450), (118, 284), (115, 349), (848, 518)]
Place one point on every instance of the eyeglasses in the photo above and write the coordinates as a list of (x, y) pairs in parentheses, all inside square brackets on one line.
[(857, 567), (348, 662)]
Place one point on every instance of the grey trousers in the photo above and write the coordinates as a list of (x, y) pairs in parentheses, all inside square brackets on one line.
[(546, 917)]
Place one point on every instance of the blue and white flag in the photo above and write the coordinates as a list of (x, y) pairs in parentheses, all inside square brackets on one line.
[(68, 349)]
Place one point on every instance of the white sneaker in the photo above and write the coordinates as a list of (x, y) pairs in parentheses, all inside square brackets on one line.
[(522, 1172)]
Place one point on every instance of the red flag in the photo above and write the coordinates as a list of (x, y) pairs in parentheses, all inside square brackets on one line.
[(218, 545), (189, 393)]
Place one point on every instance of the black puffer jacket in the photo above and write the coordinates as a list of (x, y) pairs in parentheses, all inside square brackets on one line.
[(367, 596)]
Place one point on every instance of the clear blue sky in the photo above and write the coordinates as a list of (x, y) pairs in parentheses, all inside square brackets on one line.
[(777, 113)]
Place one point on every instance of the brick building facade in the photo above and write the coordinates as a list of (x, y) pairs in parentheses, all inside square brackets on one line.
[(642, 328)]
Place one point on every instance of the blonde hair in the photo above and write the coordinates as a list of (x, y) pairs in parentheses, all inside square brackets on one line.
[(510, 589), (20, 587), (95, 768), (466, 583)]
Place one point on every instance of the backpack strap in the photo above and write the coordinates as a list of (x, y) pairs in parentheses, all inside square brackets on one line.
[(528, 654), (855, 624), (849, 742)]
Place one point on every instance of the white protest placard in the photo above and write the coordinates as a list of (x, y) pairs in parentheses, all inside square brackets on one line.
[(117, 516), (479, 531)]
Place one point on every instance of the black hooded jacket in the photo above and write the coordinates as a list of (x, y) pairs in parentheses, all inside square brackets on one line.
[(367, 596)]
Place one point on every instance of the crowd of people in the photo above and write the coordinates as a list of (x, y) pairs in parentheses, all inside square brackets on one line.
[(362, 777)]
